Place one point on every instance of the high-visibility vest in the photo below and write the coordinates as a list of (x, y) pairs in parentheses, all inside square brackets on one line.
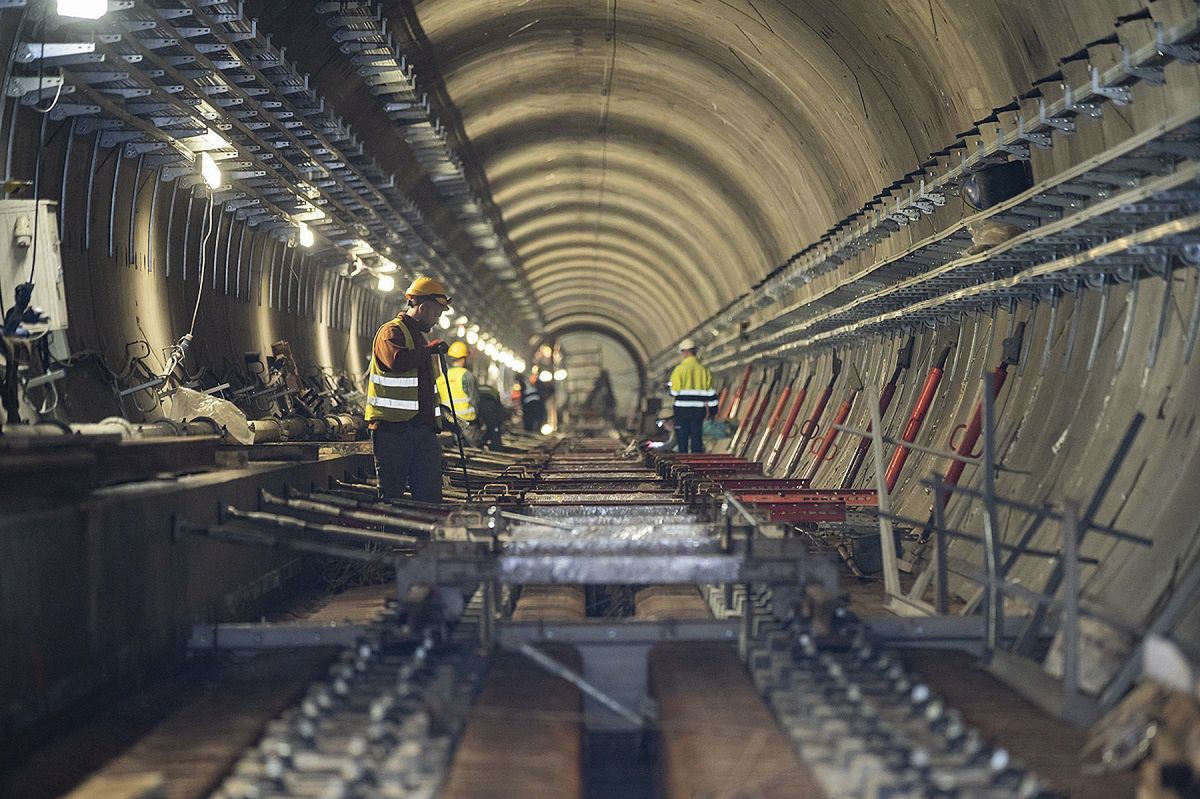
[(691, 385), (530, 393), (392, 396), (462, 402)]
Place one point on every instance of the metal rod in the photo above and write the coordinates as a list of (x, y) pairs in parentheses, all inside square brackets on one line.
[(462, 455), (887, 544), (994, 624), (1070, 530), (1027, 639), (912, 445), (559, 670), (1045, 511), (976, 539), (941, 597)]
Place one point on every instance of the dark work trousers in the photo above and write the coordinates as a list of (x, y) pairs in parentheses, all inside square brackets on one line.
[(408, 456), (533, 416), (689, 431)]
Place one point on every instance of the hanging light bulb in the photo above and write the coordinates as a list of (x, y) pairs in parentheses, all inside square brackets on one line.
[(210, 171), (547, 429), (444, 321), (386, 283), (546, 376), (472, 337), (87, 9), (560, 374), (306, 237)]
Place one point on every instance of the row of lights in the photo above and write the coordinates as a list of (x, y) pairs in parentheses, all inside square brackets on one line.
[(485, 343), (202, 148)]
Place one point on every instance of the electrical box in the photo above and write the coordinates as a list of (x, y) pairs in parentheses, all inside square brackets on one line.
[(24, 224)]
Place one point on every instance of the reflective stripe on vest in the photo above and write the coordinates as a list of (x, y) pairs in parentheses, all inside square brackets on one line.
[(462, 403), (691, 385), (392, 396)]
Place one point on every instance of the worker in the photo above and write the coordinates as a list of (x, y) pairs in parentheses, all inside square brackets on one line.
[(402, 409), (533, 407), (459, 389), (692, 387), (491, 415)]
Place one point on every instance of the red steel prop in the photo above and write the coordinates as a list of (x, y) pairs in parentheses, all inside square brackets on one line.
[(916, 419), (774, 420), (826, 449), (786, 431), (750, 408), (903, 361), (811, 426), (759, 412), (732, 408), (973, 429)]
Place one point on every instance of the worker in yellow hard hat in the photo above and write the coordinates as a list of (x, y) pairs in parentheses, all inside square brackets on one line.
[(692, 387), (458, 387), (402, 408)]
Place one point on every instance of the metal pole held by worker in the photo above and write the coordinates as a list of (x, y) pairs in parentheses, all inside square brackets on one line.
[(462, 455)]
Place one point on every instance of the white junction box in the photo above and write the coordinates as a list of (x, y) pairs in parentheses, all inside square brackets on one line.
[(20, 222)]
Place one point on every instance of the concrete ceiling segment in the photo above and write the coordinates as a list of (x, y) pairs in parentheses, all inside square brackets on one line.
[(778, 117)]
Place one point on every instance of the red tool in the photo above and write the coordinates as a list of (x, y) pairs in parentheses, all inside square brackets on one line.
[(759, 412), (729, 411), (973, 429), (826, 449), (916, 419), (786, 431), (749, 414), (811, 426), (903, 361), (774, 419)]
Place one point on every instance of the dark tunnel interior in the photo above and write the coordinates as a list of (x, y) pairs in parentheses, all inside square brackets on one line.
[(939, 261)]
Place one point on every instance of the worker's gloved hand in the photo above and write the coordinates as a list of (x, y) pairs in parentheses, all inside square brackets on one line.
[(437, 347)]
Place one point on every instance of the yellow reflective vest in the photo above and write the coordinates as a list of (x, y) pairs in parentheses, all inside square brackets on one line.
[(692, 385), (392, 396), (463, 407)]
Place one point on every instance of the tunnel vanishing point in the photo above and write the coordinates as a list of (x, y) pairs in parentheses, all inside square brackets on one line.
[(938, 264)]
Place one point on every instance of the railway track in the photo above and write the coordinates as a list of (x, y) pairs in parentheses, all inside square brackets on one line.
[(610, 624)]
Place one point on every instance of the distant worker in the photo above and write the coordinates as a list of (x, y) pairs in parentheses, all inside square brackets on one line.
[(692, 387), (533, 407), (491, 414), (460, 385), (402, 408)]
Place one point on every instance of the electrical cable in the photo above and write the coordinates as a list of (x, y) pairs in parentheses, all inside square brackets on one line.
[(203, 246)]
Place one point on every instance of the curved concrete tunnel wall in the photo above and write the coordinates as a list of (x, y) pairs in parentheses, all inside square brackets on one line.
[(745, 131), (652, 160)]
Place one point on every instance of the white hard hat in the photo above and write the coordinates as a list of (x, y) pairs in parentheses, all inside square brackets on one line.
[(687, 344)]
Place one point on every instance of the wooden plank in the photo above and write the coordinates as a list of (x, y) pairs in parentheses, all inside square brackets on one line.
[(718, 738)]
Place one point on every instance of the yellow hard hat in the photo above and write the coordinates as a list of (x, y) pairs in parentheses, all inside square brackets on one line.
[(431, 287), (458, 350)]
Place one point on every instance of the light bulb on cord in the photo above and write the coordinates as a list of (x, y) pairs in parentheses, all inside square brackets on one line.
[(546, 376), (210, 171), (560, 374), (386, 283), (87, 9), (547, 429), (472, 337)]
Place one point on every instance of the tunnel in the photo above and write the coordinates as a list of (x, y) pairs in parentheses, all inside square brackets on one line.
[(637, 398)]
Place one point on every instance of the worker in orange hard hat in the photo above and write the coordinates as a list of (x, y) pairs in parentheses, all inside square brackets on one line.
[(402, 408), (692, 387)]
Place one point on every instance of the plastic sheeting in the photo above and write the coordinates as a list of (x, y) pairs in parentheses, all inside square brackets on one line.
[(186, 404), (603, 539)]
